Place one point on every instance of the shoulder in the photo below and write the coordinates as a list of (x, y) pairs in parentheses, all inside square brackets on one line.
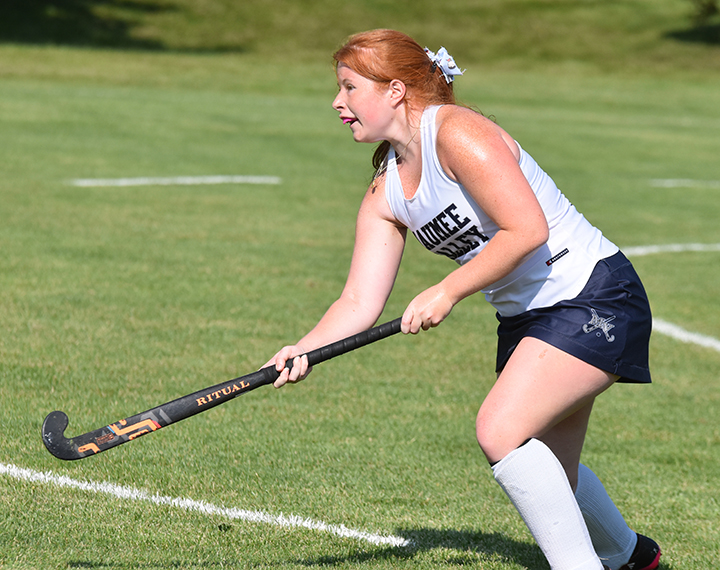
[(374, 203), (453, 121), (466, 135), (457, 116)]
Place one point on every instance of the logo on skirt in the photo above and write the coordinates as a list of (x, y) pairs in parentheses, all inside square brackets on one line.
[(597, 322)]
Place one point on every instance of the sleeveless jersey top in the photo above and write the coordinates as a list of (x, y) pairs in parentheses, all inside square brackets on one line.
[(446, 220)]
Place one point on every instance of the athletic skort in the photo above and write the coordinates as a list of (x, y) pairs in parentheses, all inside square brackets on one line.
[(607, 325)]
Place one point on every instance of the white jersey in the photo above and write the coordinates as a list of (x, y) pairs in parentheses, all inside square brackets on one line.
[(446, 220)]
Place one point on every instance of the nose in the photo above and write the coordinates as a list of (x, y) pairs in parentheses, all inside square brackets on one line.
[(337, 103)]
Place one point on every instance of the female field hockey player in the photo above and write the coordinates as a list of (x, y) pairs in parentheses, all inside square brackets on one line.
[(574, 317)]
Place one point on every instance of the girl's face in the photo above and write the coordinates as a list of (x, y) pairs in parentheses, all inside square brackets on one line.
[(364, 105)]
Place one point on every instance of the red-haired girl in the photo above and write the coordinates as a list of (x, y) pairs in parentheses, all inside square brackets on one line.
[(574, 317)]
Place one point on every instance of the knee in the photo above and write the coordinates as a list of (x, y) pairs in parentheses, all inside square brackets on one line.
[(495, 440)]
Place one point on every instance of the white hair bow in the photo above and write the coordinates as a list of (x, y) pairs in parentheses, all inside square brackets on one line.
[(445, 62)]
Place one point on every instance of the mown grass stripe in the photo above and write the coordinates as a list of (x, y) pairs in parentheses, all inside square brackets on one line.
[(131, 494)]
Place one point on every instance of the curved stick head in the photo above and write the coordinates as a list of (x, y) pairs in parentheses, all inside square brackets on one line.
[(53, 435)]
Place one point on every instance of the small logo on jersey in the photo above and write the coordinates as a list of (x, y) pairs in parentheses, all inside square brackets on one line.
[(554, 258), (598, 322)]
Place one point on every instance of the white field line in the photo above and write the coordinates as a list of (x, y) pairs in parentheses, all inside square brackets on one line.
[(174, 180), (679, 333), (683, 183), (664, 327), (131, 494), (669, 248)]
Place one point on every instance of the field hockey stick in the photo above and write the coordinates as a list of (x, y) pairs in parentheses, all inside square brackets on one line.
[(104, 438)]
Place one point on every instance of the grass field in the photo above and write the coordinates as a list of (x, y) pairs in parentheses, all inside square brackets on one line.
[(116, 299)]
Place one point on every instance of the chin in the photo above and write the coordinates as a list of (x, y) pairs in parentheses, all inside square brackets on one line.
[(358, 137)]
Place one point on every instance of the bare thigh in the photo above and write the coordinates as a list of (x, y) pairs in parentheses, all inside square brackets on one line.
[(544, 393)]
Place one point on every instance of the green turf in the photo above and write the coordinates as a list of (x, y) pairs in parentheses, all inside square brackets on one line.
[(115, 300), (634, 35)]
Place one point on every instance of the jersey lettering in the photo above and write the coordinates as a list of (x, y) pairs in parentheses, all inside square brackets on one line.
[(442, 227), (445, 229)]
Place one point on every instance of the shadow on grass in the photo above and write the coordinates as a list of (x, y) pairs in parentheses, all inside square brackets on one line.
[(85, 23), (708, 34), (456, 548)]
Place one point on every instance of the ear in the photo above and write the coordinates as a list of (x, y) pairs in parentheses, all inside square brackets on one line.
[(397, 91)]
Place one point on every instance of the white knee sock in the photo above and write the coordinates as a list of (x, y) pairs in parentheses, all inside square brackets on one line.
[(535, 482), (613, 540)]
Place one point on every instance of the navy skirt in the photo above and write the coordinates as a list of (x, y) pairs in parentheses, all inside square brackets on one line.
[(607, 325)]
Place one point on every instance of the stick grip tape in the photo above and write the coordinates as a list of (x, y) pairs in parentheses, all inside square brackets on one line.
[(351, 343)]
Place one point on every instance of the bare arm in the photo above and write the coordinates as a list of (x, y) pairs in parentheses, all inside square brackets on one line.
[(484, 159), (379, 244)]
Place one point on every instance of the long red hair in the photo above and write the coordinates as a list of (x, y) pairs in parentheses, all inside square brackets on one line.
[(384, 55)]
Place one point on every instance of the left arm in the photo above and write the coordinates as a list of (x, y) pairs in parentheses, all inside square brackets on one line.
[(482, 157)]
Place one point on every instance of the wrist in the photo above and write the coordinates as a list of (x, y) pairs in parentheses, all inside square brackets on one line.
[(449, 291)]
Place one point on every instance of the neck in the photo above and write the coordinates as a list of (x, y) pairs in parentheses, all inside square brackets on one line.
[(407, 142)]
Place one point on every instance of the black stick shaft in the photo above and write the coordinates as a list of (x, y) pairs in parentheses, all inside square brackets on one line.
[(110, 436)]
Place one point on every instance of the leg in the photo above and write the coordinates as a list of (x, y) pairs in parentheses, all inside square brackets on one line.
[(618, 546), (537, 486), (566, 440), (612, 539), (614, 542), (540, 387), (543, 393)]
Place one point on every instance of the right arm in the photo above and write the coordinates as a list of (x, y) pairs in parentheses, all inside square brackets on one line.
[(379, 244)]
